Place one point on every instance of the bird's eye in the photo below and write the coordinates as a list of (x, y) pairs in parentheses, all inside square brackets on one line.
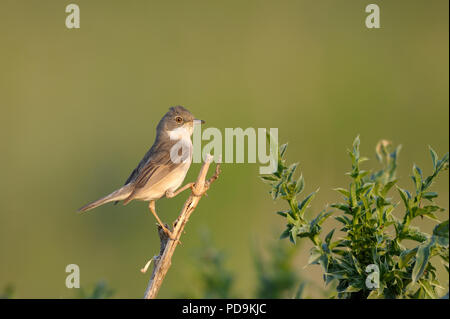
[(179, 119)]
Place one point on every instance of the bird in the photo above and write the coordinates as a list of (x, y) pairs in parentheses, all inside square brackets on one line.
[(163, 168)]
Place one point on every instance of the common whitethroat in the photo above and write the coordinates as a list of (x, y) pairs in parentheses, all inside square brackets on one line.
[(163, 169)]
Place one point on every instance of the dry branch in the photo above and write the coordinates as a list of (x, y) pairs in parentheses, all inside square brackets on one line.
[(163, 261)]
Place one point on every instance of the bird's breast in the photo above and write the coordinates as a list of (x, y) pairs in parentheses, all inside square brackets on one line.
[(171, 182)]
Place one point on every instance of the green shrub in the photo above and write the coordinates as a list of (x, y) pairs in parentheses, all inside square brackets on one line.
[(276, 276), (370, 260), (99, 291), (215, 280)]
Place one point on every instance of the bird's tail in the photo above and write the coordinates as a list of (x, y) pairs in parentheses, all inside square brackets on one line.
[(117, 195)]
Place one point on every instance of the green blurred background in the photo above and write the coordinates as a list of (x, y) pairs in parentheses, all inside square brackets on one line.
[(79, 109)]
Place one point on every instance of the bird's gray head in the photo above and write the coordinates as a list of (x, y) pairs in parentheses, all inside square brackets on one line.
[(178, 123)]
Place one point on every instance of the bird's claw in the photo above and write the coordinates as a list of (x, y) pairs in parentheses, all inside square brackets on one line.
[(170, 235), (195, 193), (169, 194)]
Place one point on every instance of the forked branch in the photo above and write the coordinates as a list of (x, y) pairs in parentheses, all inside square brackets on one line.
[(163, 261)]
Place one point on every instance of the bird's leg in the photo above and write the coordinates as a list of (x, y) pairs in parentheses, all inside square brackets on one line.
[(170, 194), (151, 205)]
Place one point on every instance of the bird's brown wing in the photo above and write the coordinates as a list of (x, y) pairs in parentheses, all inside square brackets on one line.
[(157, 165), (135, 173)]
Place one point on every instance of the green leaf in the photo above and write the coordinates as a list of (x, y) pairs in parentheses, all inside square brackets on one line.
[(343, 191), (293, 234), (374, 294), (285, 233), (343, 219), (430, 195), (284, 214), (304, 204), (440, 232), (428, 288), (404, 194), (417, 178), (422, 258), (406, 256), (442, 229), (414, 233), (356, 144), (352, 289), (269, 178), (441, 163), (329, 236), (314, 255), (320, 218), (300, 291), (291, 171), (299, 185), (387, 187), (342, 207), (356, 264), (380, 150), (363, 159), (354, 202), (427, 211), (352, 156), (290, 219), (283, 149), (434, 157), (366, 189)]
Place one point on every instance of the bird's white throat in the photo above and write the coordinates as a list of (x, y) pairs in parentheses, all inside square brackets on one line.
[(180, 133)]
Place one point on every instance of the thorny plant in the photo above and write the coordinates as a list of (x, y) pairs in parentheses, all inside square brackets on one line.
[(372, 234)]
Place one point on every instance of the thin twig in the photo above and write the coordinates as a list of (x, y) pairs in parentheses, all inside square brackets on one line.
[(163, 261)]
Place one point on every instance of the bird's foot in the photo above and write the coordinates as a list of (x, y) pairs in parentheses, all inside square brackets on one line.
[(198, 194), (170, 194), (170, 234)]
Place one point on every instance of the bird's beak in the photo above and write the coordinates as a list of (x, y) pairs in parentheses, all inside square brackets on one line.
[(197, 121)]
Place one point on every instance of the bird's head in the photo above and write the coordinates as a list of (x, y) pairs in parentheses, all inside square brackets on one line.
[(178, 123)]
